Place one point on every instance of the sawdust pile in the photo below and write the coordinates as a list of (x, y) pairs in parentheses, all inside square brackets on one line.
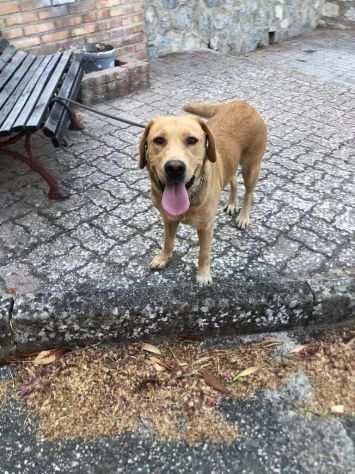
[(98, 391), (173, 389), (330, 365), (4, 391)]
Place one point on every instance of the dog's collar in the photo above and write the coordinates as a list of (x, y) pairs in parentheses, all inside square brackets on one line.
[(191, 182), (197, 189)]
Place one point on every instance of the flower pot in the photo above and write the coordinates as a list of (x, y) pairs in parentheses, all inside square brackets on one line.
[(98, 56)]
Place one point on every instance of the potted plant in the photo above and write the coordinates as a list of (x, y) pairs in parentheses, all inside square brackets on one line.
[(98, 56)]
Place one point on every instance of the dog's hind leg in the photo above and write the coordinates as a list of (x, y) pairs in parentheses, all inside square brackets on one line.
[(231, 207), (161, 260)]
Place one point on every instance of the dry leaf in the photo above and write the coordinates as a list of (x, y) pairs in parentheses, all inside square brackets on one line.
[(167, 365), (48, 357), (150, 348), (350, 341), (297, 349), (202, 359), (157, 367), (18, 357), (214, 381), (337, 409), (246, 373), (158, 364), (30, 372), (304, 351), (270, 341)]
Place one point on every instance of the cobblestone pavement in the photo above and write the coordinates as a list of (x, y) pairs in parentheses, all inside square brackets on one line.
[(325, 54), (303, 219)]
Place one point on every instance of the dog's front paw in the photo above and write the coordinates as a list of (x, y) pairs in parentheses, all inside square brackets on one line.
[(204, 278), (242, 221), (230, 209), (159, 262)]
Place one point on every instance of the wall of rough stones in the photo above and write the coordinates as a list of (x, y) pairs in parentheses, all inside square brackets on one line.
[(339, 14), (230, 26), (46, 25)]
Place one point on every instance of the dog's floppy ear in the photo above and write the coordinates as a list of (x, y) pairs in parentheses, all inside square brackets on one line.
[(211, 151), (143, 146)]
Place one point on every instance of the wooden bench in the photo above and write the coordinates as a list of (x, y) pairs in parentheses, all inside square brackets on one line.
[(29, 85)]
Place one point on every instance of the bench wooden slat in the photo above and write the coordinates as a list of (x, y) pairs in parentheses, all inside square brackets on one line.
[(25, 96), (27, 86), (58, 115), (35, 119), (11, 68), (74, 93), (36, 93), (17, 100), (7, 54), (9, 92)]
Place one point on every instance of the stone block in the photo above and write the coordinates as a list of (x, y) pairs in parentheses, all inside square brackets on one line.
[(55, 36), (22, 43), (350, 14), (7, 8), (331, 9), (39, 28), (21, 19), (14, 33), (52, 12), (119, 81)]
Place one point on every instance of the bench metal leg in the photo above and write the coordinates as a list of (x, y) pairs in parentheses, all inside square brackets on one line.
[(55, 192)]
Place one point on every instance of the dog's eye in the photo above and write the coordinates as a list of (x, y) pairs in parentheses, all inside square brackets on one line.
[(159, 140), (191, 141)]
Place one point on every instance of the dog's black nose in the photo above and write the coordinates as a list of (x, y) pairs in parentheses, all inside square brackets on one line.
[(175, 170)]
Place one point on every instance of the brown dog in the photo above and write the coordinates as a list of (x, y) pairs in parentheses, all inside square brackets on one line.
[(190, 162)]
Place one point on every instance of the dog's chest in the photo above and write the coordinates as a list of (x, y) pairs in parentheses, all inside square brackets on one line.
[(191, 218)]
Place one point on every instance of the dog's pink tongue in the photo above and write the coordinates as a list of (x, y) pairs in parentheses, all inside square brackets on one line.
[(175, 199)]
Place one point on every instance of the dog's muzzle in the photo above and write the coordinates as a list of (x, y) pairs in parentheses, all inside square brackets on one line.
[(175, 171), (188, 184)]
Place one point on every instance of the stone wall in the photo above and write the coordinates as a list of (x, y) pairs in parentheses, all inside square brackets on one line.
[(46, 25), (230, 26), (339, 14)]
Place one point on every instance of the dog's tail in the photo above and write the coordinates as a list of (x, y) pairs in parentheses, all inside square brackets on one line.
[(202, 109)]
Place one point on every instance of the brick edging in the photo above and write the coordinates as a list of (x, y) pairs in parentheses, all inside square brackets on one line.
[(99, 86)]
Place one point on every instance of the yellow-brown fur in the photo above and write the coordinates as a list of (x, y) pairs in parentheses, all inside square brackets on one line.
[(235, 134)]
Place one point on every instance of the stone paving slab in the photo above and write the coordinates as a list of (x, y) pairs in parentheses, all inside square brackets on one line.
[(102, 238)]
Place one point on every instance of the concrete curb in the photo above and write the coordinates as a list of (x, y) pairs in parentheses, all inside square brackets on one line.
[(32, 322), (6, 334)]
